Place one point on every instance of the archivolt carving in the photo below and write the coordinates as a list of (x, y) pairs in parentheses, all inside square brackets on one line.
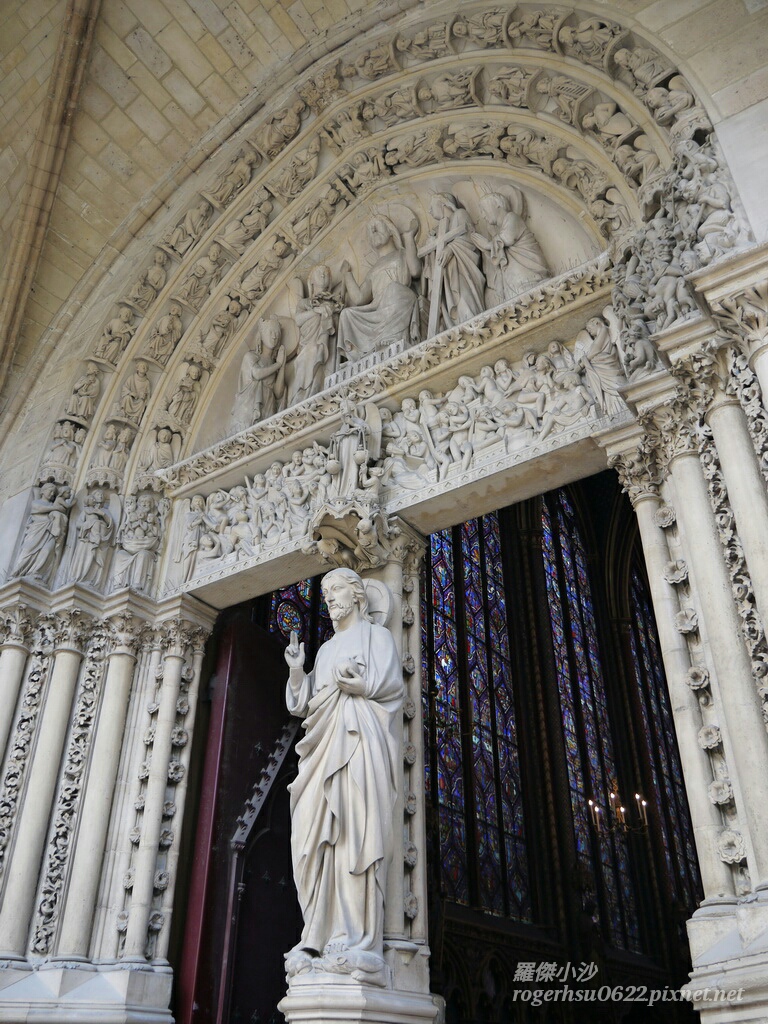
[(604, 144)]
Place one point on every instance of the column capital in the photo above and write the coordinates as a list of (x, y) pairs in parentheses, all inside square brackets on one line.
[(736, 292), (671, 429), (638, 472)]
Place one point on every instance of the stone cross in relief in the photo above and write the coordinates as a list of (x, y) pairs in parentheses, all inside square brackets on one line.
[(437, 245)]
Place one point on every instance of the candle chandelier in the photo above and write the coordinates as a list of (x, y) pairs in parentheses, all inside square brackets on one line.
[(618, 816)]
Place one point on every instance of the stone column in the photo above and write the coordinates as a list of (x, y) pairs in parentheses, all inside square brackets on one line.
[(639, 477), (741, 705), (193, 693), (75, 934), (176, 639), (30, 837), (13, 659)]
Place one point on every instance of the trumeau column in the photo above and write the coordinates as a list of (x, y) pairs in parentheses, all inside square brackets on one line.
[(394, 561), (688, 683)]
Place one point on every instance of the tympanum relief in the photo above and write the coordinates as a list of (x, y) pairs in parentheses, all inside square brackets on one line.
[(380, 453)]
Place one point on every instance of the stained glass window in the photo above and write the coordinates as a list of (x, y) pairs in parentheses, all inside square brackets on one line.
[(301, 607), (586, 729), (473, 772)]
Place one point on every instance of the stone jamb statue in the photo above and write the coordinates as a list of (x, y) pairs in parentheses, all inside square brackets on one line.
[(343, 798)]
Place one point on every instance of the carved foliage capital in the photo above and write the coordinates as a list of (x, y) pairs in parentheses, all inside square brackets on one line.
[(17, 625), (744, 315), (180, 637), (671, 430), (638, 473), (71, 628)]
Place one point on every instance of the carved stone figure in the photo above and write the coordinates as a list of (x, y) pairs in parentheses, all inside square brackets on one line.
[(451, 90), (452, 265), (510, 85), (63, 451), (385, 306), (94, 530), (351, 445), (484, 29), (261, 386), (597, 354), (138, 543), (234, 179), (608, 122), (589, 40), (294, 178), (166, 334), (202, 278), (44, 533), (275, 134), (238, 234), (414, 150), (641, 68), (195, 527), (523, 147), (85, 394), (123, 444), (115, 336), (475, 138), (106, 446), (182, 402), (428, 44), (372, 64), (319, 214), (221, 329), (161, 451), (135, 393), (344, 794), (315, 320), (150, 283), (187, 232), (513, 258), (537, 26), (394, 107), (258, 279)]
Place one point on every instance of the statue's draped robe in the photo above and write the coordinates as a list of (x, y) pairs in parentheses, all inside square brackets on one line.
[(343, 797)]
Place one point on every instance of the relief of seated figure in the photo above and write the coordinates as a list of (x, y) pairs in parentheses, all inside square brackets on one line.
[(384, 306)]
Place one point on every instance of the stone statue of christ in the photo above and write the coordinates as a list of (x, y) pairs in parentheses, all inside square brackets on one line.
[(343, 797)]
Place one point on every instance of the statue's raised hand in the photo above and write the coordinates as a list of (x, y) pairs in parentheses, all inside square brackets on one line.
[(294, 652)]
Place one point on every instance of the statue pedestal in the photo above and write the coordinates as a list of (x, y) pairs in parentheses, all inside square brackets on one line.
[(327, 999)]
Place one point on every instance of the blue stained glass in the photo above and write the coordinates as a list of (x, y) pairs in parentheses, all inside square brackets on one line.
[(494, 815), (581, 686)]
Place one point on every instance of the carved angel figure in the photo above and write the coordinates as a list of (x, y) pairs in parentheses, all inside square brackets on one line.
[(512, 256), (161, 451), (44, 533), (291, 181), (166, 334), (261, 386), (385, 306), (597, 354), (85, 393), (63, 451), (315, 320)]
